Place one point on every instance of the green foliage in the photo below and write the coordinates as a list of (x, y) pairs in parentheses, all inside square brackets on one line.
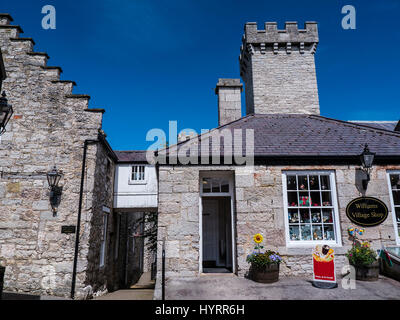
[(151, 222), (261, 260), (361, 254)]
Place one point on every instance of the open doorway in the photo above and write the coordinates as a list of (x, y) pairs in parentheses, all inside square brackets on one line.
[(217, 235)]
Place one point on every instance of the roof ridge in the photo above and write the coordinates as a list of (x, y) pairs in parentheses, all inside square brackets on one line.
[(373, 121), (208, 132), (130, 150), (352, 124)]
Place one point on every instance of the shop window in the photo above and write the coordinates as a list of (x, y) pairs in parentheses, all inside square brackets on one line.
[(310, 207), (138, 174), (394, 181)]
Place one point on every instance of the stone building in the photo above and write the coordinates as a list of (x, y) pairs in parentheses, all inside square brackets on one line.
[(52, 126), (282, 170), (305, 171)]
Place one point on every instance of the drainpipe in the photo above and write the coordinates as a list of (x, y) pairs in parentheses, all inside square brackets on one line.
[(163, 272), (78, 224)]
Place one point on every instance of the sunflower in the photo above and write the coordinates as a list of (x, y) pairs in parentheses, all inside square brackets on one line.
[(258, 238)]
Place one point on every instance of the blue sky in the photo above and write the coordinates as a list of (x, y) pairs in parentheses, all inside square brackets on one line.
[(147, 62)]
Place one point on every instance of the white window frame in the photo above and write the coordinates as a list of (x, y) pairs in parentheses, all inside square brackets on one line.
[(218, 175), (392, 207), (144, 181), (103, 244), (312, 243)]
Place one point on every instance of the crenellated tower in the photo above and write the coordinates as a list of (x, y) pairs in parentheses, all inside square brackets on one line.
[(278, 68)]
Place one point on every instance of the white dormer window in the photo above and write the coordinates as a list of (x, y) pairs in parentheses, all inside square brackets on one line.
[(138, 174)]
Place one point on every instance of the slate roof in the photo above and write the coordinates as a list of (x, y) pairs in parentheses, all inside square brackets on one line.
[(138, 156), (291, 135), (386, 125)]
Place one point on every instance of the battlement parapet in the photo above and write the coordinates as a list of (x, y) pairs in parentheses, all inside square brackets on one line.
[(271, 34)]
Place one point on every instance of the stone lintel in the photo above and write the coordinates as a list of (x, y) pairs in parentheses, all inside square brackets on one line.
[(64, 81), (23, 39), (7, 26), (7, 16), (95, 110), (38, 54), (77, 96), (52, 68)]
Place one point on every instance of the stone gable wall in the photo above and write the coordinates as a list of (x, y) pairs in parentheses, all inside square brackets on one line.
[(48, 128), (258, 208)]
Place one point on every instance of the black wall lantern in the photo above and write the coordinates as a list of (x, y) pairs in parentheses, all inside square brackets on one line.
[(53, 178), (367, 159), (6, 112)]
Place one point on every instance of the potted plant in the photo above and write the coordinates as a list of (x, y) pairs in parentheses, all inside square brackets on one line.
[(363, 258), (264, 267)]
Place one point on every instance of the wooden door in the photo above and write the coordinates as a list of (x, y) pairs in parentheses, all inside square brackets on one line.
[(210, 230)]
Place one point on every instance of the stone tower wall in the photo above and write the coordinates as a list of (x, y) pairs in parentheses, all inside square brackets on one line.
[(278, 68)]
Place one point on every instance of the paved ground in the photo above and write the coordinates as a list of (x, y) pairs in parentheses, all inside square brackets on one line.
[(23, 296), (230, 287), (142, 290), (128, 294)]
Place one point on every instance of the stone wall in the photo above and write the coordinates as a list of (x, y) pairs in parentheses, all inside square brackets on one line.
[(259, 208), (96, 278), (48, 128)]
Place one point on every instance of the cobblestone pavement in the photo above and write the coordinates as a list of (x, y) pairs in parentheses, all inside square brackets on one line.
[(231, 287)]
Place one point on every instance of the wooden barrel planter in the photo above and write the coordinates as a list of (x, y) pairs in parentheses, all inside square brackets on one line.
[(269, 274), (367, 273)]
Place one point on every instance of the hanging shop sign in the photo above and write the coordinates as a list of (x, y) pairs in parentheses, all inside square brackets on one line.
[(367, 211), (324, 265)]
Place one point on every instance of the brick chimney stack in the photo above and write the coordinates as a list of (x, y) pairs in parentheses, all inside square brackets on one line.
[(278, 68), (229, 100)]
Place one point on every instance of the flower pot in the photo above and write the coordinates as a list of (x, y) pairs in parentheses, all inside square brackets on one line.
[(367, 273), (269, 274)]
